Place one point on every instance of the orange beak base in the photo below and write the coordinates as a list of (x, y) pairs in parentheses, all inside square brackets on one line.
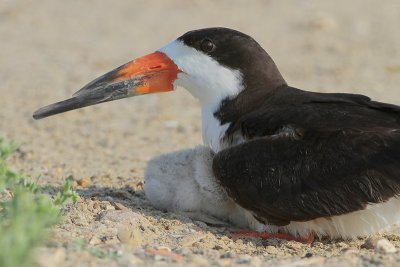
[(153, 73), (157, 70)]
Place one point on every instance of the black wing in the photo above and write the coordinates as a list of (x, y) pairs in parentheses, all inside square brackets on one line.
[(287, 105), (298, 166)]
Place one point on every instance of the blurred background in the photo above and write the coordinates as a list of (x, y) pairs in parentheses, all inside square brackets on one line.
[(49, 49)]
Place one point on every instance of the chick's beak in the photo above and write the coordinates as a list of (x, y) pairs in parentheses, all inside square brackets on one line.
[(152, 73)]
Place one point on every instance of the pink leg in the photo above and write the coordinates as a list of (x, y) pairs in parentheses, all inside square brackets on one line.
[(241, 233)]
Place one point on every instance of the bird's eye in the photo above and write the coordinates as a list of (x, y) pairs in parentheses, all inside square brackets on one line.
[(207, 45)]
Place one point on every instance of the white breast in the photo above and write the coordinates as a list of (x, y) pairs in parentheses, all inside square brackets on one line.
[(212, 130)]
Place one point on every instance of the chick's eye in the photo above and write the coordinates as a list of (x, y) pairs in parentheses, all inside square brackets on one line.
[(207, 45)]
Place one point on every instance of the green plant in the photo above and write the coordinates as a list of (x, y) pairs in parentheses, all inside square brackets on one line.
[(26, 212), (81, 244), (66, 195)]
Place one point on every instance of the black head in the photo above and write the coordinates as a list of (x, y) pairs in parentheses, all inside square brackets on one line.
[(237, 51)]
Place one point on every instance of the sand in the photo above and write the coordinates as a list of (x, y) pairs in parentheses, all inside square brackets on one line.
[(49, 49)]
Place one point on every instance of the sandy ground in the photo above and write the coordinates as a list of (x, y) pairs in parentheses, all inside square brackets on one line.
[(49, 49)]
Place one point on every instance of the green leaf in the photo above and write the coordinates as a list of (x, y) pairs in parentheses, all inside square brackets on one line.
[(26, 213)]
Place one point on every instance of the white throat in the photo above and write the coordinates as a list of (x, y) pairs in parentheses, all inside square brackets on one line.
[(208, 81)]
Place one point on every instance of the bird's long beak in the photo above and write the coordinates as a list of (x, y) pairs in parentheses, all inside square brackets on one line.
[(153, 73)]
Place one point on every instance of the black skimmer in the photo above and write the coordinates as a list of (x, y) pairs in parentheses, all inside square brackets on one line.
[(276, 159)]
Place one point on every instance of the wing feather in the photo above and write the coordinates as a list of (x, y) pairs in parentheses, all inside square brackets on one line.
[(315, 155)]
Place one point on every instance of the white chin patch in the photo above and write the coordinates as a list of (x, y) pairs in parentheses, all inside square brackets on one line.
[(203, 76)]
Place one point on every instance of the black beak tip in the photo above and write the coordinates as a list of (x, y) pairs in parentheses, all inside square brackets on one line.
[(36, 116), (57, 108), (39, 114)]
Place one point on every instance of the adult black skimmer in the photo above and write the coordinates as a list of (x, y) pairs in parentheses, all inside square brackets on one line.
[(275, 158)]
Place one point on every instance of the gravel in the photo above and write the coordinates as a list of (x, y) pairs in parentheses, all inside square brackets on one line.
[(49, 49)]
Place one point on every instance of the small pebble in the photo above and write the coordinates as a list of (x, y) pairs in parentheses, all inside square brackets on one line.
[(95, 240), (381, 245), (119, 206), (323, 22), (197, 250), (96, 205), (190, 239), (200, 224), (217, 247), (183, 251), (167, 249), (84, 182), (109, 199), (370, 243), (350, 250), (129, 236), (384, 246), (228, 255), (244, 259), (308, 255)]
